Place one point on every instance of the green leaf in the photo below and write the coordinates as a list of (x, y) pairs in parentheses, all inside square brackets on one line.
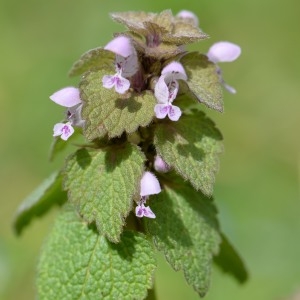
[(133, 20), (203, 80), (93, 59), (185, 230), (107, 112), (191, 145), (163, 51), (184, 33), (101, 183), (79, 263), (163, 25), (230, 261), (48, 194)]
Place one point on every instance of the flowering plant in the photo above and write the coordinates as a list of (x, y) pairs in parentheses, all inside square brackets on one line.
[(148, 143)]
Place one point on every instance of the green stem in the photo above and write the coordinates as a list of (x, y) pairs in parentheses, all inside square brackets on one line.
[(151, 294)]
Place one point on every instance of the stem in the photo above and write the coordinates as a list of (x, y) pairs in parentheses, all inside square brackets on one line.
[(151, 294)]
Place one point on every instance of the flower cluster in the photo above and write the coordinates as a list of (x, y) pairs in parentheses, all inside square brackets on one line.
[(149, 58)]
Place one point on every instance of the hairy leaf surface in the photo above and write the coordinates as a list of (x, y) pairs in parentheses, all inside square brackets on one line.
[(93, 59), (191, 145), (101, 184), (203, 80), (46, 195), (79, 263), (107, 112), (185, 230)]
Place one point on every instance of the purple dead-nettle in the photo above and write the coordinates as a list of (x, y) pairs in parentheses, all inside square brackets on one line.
[(68, 97), (224, 52), (166, 90), (64, 130), (160, 165), (149, 186), (126, 64)]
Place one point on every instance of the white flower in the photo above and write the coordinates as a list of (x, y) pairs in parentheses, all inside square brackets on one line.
[(166, 90), (126, 64)]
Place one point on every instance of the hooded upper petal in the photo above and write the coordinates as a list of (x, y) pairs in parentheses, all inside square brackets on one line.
[(223, 52), (161, 90), (67, 97), (176, 69), (120, 45), (149, 184)]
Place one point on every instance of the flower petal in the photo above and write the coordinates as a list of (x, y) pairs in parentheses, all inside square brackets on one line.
[(161, 110), (229, 88), (176, 69), (174, 113), (66, 97), (122, 84), (144, 211), (148, 212), (129, 65), (149, 184), (223, 52), (120, 45), (139, 211), (161, 90), (108, 81), (64, 130), (160, 165)]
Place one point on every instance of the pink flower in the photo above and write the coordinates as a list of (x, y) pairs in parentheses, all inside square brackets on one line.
[(224, 52), (68, 97), (126, 64), (63, 130), (160, 165), (120, 83), (149, 186), (144, 211), (166, 90)]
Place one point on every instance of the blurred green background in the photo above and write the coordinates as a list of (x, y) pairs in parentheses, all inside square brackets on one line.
[(257, 188)]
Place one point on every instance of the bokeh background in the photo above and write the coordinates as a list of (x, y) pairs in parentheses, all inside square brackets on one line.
[(257, 188)]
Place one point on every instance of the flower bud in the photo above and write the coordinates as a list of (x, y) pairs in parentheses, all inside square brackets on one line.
[(190, 16), (160, 165)]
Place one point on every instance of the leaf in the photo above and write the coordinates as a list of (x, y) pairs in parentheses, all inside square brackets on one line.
[(93, 59), (48, 194), (203, 80), (101, 184), (163, 51), (191, 145), (107, 112), (79, 263), (184, 33), (185, 230), (133, 20), (230, 262)]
